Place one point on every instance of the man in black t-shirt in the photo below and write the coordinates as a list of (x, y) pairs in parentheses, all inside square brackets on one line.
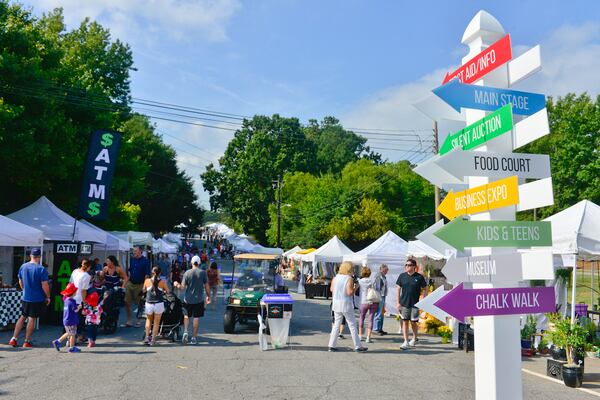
[(410, 284)]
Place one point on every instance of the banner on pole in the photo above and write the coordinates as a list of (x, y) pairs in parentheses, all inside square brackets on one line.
[(98, 173)]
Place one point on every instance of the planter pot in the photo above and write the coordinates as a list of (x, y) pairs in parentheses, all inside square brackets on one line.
[(527, 352), (445, 340), (525, 343), (558, 354), (572, 376)]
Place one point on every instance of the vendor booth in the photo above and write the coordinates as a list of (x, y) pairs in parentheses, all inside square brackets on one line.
[(13, 234), (389, 249), (321, 265)]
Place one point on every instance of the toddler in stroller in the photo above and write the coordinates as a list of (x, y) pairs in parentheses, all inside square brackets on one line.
[(114, 298)]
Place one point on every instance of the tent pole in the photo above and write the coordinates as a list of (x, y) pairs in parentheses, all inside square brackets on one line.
[(573, 294), (592, 287)]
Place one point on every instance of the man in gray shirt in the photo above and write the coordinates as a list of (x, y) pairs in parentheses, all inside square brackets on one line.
[(195, 283)]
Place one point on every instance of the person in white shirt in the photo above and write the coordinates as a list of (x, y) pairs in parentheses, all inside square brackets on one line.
[(82, 280)]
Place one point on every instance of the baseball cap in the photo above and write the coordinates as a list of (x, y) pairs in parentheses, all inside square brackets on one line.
[(69, 290), (195, 260), (36, 252)]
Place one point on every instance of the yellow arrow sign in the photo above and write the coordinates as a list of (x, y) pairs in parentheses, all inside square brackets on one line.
[(502, 193)]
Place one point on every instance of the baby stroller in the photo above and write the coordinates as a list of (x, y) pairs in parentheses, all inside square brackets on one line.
[(111, 309), (171, 320)]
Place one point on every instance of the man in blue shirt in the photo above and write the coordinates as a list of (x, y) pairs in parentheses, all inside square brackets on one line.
[(33, 279), (139, 270)]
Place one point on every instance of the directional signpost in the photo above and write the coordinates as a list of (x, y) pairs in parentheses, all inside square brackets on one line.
[(483, 63), (476, 155), (459, 95), (502, 193), (487, 128), (461, 303), (427, 303), (509, 267)]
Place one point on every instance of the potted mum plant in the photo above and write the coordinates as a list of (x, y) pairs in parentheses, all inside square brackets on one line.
[(572, 339), (445, 333)]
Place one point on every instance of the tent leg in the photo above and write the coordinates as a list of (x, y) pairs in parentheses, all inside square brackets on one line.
[(573, 294)]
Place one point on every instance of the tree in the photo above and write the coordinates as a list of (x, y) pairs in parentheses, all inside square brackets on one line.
[(574, 148)]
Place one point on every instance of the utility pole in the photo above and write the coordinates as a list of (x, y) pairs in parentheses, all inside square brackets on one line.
[(277, 185), (437, 189)]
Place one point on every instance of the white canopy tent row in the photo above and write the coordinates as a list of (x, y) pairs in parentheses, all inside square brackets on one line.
[(162, 246), (135, 238), (389, 249), (15, 234), (291, 251), (575, 236), (113, 246)]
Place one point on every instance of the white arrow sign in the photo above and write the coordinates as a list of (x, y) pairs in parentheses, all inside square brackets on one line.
[(437, 109), (500, 267), (428, 237), (427, 304), (535, 194), (525, 65), (531, 128), (461, 163)]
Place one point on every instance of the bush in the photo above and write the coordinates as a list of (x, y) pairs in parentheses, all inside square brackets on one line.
[(432, 325)]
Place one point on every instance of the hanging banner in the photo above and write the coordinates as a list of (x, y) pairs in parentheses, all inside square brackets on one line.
[(98, 173)]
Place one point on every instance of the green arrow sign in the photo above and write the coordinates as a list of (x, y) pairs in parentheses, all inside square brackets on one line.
[(461, 233), (487, 128)]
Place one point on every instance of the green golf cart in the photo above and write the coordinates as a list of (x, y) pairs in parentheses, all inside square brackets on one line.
[(252, 280)]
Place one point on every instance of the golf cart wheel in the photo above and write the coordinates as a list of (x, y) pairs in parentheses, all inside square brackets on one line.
[(229, 321)]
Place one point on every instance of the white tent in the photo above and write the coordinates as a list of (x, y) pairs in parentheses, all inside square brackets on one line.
[(111, 242), (13, 233), (135, 238), (576, 232), (162, 246), (292, 251), (175, 238), (389, 249), (332, 251), (266, 250), (55, 223), (418, 249)]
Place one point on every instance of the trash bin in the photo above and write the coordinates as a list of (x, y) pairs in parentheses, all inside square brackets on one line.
[(276, 310)]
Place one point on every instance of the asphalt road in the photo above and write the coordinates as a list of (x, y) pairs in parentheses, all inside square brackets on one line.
[(225, 366)]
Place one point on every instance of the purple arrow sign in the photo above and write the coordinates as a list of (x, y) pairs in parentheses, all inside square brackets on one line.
[(461, 303)]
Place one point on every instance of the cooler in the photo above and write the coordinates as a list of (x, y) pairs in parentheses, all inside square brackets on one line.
[(276, 310)]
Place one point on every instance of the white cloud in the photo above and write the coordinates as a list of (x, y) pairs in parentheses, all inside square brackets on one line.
[(133, 20), (570, 63)]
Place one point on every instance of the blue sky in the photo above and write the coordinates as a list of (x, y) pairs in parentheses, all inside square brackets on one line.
[(364, 62)]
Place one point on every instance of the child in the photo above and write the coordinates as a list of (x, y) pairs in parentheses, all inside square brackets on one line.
[(92, 310), (70, 319)]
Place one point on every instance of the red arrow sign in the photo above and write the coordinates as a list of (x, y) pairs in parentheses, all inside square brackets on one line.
[(484, 62)]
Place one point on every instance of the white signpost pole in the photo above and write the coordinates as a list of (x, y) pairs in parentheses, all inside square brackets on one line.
[(497, 338)]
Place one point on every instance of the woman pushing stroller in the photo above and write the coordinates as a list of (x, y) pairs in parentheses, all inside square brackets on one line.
[(155, 290)]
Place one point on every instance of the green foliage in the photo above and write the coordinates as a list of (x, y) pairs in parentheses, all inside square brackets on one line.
[(573, 146), (572, 338), (445, 332), (529, 329), (432, 326), (58, 86)]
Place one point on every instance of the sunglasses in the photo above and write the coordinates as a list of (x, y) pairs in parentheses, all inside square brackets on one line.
[(409, 265)]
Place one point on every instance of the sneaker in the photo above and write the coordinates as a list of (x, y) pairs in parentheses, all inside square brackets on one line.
[(56, 344), (340, 336), (361, 349), (332, 349), (194, 341), (413, 342), (152, 342), (404, 345), (91, 343), (13, 342), (74, 349), (185, 337), (27, 344), (368, 340), (147, 340), (381, 333)]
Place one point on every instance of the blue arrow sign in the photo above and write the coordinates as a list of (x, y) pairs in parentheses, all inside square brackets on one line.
[(486, 98)]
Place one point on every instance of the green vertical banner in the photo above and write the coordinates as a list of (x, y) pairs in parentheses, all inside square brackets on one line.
[(487, 128), (98, 173)]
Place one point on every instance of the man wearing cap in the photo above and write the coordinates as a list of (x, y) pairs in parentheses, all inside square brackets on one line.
[(139, 270), (195, 283), (33, 279)]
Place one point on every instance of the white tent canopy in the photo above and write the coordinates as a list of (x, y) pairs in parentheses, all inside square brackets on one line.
[(292, 251), (55, 223), (111, 242), (13, 233), (266, 250), (162, 246), (389, 249), (332, 251), (576, 230), (418, 249), (135, 238)]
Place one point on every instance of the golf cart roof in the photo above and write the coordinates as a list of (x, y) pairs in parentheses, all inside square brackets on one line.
[(254, 256)]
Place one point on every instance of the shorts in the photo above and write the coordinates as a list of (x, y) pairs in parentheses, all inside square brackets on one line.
[(71, 330), (193, 310), (155, 308), (32, 309), (409, 313), (133, 292)]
